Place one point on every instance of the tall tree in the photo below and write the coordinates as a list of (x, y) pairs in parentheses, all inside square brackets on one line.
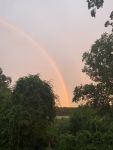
[(5, 91), (32, 92), (99, 67), (99, 60), (5, 106), (33, 110)]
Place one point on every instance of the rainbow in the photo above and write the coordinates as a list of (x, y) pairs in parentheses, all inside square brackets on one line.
[(15, 28)]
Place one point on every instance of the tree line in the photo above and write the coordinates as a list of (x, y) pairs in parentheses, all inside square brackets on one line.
[(28, 110)]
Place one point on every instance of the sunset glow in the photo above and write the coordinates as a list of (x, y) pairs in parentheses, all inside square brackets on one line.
[(49, 38)]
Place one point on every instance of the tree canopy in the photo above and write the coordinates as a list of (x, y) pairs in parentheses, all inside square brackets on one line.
[(26, 112), (32, 92), (33, 109), (4, 80), (99, 60), (5, 91), (99, 67)]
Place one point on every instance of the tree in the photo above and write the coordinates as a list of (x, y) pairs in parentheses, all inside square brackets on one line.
[(96, 96), (96, 4), (34, 93), (99, 67), (5, 106), (66, 142), (4, 80), (99, 60), (5, 91), (80, 119), (90, 130), (33, 110)]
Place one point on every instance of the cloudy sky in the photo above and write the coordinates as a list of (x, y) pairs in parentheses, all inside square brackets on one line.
[(49, 37)]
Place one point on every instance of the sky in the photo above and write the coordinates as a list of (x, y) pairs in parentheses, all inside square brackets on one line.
[(48, 37)]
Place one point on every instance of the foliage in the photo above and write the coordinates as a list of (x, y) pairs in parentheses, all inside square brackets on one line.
[(5, 91), (80, 119), (66, 142), (26, 112), (87, 130), (33, 110), (96, 96), (36, 96), (93, 5), (99, 60), (99, 67), (91, 130), (5, 104), (4, 80), (59, 127)]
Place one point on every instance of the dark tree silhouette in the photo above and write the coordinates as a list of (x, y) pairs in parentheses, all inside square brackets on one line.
[(99, 67), (4, 80), (33, 110), (94, 5)]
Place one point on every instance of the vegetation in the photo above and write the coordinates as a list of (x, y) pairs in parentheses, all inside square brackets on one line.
[(86, 129), (28, 112), (98, 66), (94, 5)]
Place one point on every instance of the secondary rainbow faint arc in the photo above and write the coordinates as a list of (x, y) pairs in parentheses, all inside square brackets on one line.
[(17, 29)]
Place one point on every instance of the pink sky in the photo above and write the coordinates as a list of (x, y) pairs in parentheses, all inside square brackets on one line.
[(64, 29)]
